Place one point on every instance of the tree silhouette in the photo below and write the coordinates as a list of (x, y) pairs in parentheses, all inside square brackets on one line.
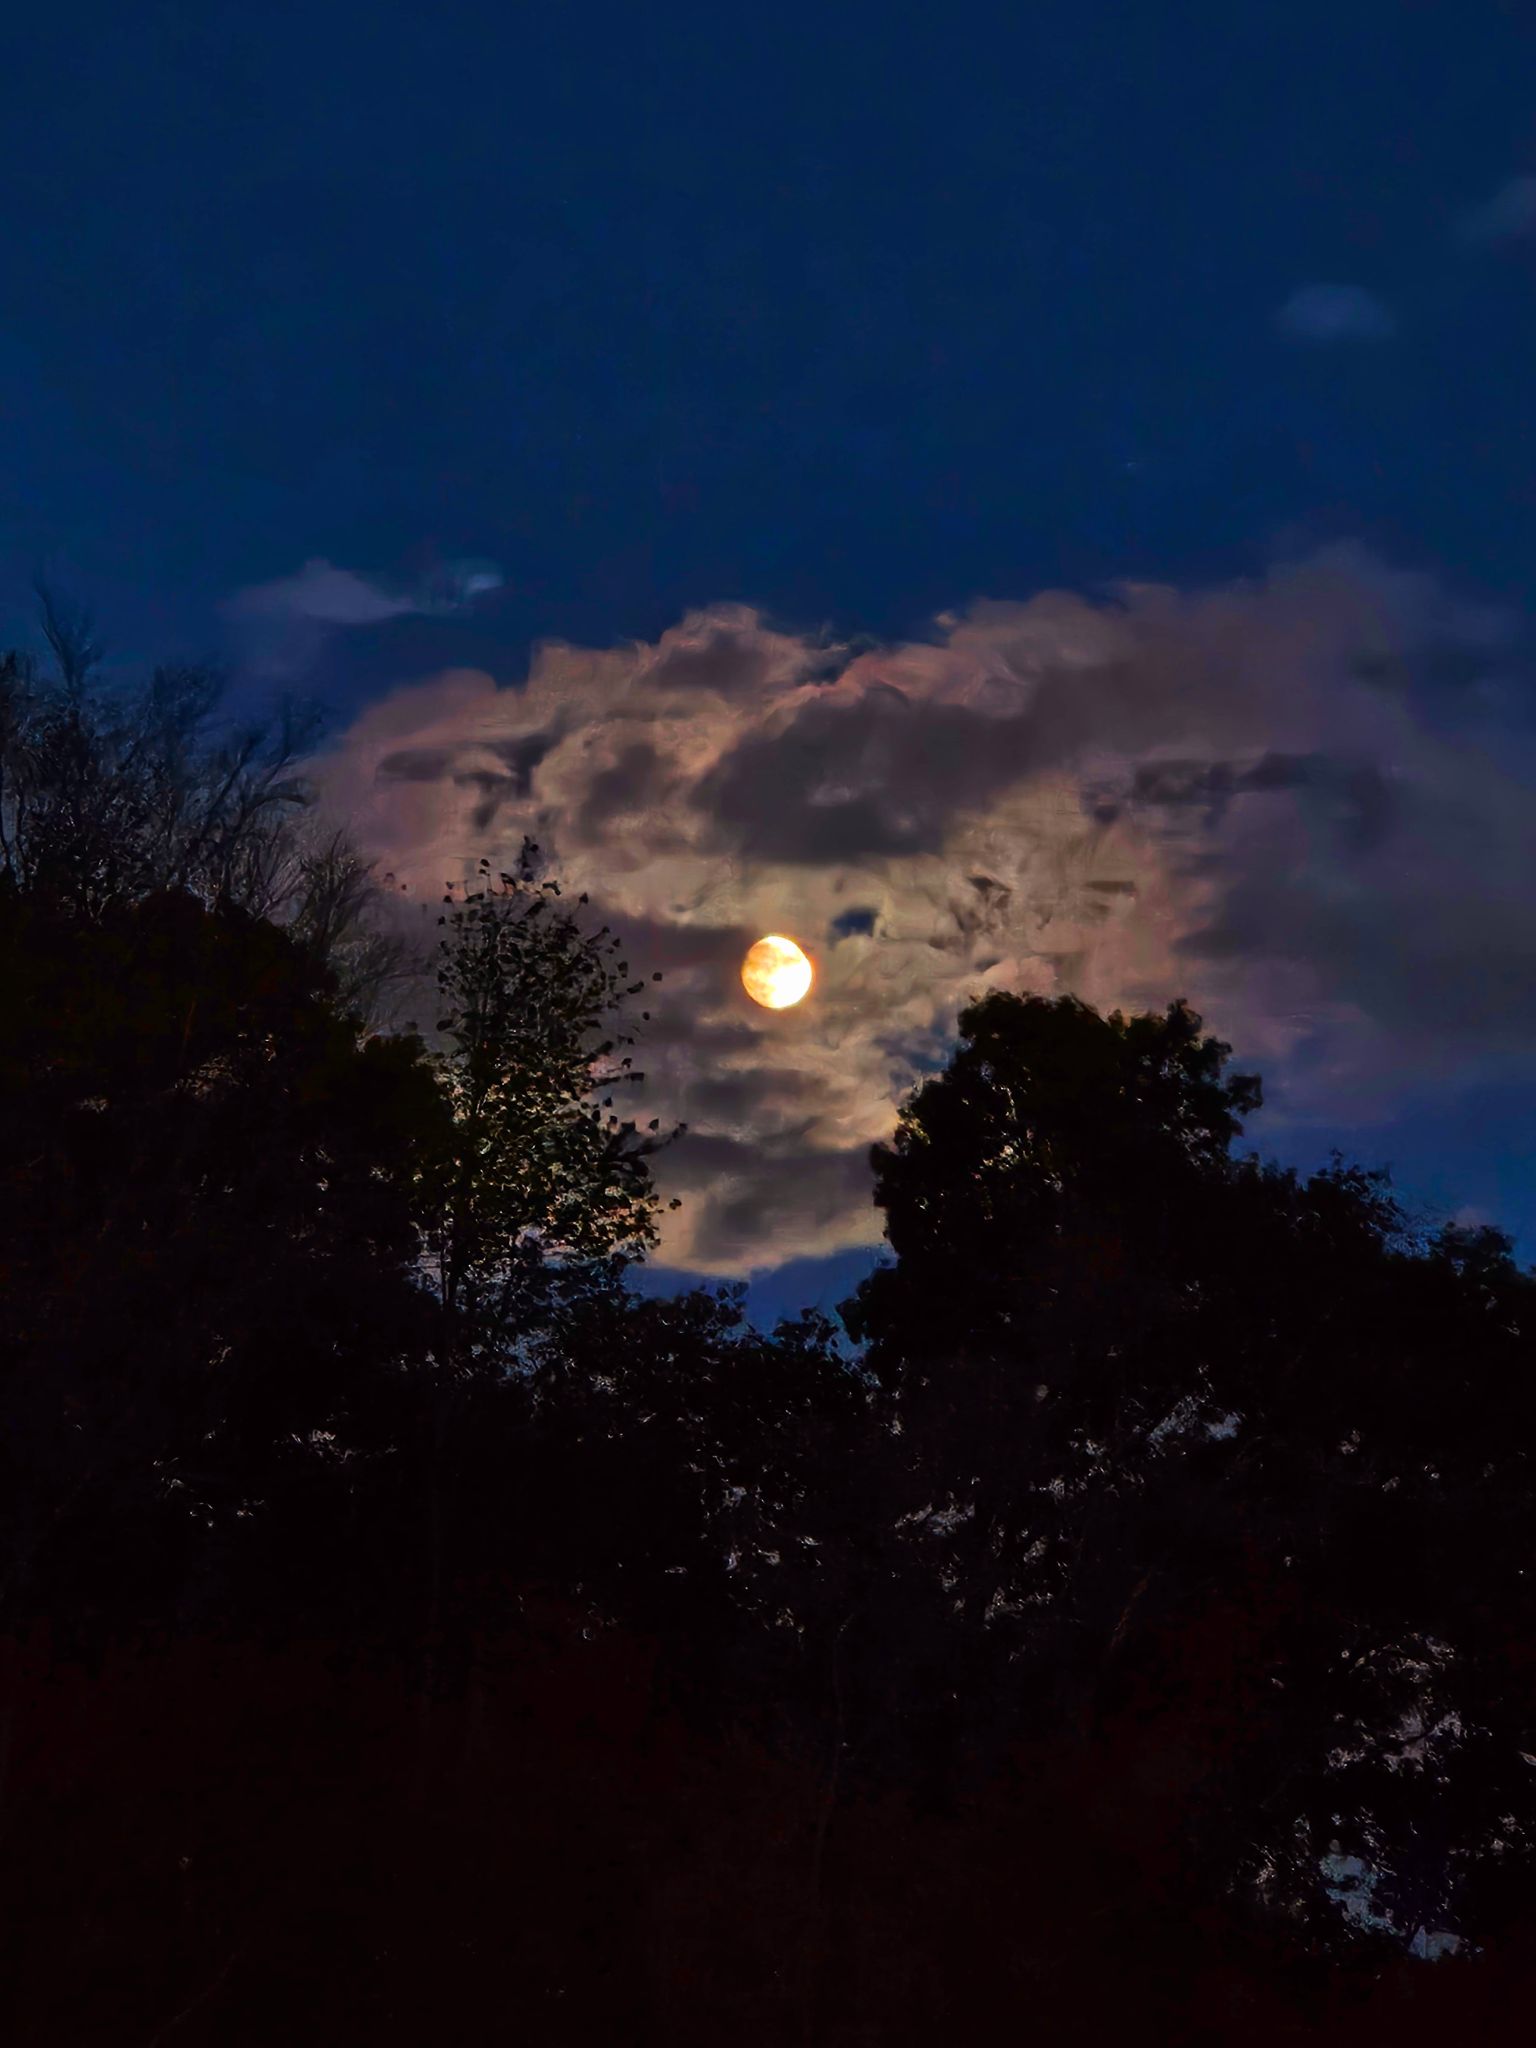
[(112, 794), (207, 1207), (544, 1193), (1181, 1442)]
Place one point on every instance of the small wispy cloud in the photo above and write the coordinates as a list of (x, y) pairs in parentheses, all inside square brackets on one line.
[(283, 623), (1336, 312), (1509, 216), (320, 591)]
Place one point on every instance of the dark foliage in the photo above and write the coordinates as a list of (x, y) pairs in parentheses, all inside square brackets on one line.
[(409, 1634)]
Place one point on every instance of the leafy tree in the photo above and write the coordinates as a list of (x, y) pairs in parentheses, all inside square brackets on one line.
[(720, 1459), (543, 1194), (1213, 1462), (1050, 1127), (1047, 1197), (207, 1212)]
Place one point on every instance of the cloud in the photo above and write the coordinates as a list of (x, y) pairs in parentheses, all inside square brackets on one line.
[(1336, 312), (321, 591), (1300, 801), (1508, 216), (284, 624)]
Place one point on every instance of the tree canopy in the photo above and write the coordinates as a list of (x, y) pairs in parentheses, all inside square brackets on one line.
[(1151, 1393)]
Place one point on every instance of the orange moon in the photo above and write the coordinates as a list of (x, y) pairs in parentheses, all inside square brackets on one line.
[(776, 973)]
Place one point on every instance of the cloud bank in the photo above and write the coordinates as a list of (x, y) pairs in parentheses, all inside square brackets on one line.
[(1303, 802)]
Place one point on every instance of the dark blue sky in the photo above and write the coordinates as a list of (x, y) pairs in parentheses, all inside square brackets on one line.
[(850, 311)]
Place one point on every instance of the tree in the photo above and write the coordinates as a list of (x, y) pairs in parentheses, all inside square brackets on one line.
[(208, 1239), (110, 795), (184, 1049), (1048, 1198), (542, 1196), (1052, 1131), (1213, 1462)]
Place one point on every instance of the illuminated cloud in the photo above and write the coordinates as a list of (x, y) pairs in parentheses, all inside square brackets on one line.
[(1336, 312), (1297, 801)]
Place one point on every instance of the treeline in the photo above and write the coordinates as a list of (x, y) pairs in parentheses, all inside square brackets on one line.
[(409, 1633)]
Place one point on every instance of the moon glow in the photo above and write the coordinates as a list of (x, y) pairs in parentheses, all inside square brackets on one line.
[(776, 973)]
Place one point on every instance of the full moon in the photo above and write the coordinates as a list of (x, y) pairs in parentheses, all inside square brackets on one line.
[(776, 973)]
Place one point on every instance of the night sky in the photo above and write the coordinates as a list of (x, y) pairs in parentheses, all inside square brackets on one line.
[(1039, 496)]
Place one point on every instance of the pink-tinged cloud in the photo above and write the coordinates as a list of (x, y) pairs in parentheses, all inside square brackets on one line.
[(1297, 801)]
